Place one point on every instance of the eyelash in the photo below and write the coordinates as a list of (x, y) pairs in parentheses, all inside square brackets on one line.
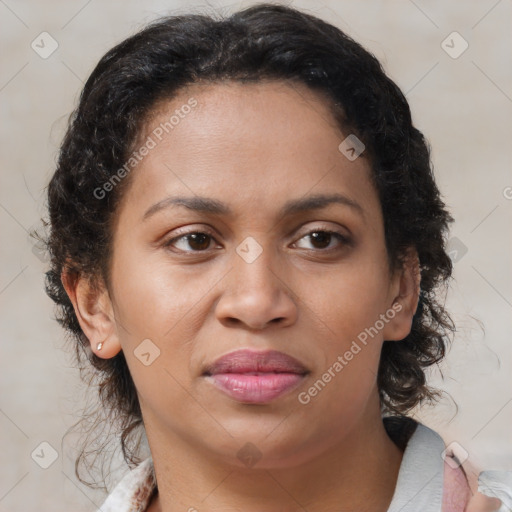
[(341, 238)]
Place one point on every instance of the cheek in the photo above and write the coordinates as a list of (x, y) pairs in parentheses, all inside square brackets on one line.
[(346, 305), (155, 303), (151, 295), (343, 384), (348, 299)]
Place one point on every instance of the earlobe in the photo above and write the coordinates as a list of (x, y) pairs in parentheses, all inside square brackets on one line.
[(406, 296), (94, 312)]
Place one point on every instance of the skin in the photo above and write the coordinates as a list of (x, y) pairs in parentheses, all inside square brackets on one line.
[(254, 147)]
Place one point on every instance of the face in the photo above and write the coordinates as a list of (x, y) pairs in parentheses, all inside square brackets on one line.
[(258, 265)]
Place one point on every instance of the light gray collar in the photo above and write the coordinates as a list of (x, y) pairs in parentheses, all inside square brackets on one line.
[(420, 478)]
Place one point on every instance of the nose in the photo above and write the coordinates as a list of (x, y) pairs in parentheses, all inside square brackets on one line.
[(256, 295)]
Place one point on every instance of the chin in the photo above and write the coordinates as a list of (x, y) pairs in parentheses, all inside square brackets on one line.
[(262, 449)]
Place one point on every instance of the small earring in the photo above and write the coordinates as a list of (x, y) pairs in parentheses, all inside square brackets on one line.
[(99, 345)]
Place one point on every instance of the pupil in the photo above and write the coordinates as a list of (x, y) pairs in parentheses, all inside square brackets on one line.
[(193, 239), (321, 236)]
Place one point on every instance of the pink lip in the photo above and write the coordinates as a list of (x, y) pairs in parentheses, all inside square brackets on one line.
[(255, 377)]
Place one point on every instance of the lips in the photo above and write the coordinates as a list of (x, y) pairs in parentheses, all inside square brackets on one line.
[(247, 361), (255, 377)]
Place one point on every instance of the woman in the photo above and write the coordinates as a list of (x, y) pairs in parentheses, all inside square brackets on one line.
[(246, 242)]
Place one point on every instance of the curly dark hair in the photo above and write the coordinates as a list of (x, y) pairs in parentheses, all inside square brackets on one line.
[(263, 42)]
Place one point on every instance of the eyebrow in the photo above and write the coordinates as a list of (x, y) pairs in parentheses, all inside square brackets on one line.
[(213, 206)]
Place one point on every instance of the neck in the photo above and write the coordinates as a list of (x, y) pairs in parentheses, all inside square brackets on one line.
[(358, 472)]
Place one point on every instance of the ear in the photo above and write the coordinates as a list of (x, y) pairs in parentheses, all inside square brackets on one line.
[(94, 311), (405, 292)]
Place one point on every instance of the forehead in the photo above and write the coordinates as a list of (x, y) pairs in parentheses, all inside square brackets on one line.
[(249, 144), (232, 112)]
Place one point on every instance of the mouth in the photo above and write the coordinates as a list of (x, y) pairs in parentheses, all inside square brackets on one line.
[(255, 377)]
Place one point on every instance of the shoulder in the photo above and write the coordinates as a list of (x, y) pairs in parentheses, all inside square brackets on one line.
[(456, 489), (134, 491), (431, 476)]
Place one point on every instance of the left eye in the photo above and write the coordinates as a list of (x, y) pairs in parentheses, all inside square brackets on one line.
[(323, 238)]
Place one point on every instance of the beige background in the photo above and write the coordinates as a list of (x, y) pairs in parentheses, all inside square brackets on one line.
[(464, 107)]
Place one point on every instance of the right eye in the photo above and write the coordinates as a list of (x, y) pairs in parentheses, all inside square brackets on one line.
[(199, 241)]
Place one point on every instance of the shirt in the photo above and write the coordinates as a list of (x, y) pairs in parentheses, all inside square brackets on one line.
[(429, 479)]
